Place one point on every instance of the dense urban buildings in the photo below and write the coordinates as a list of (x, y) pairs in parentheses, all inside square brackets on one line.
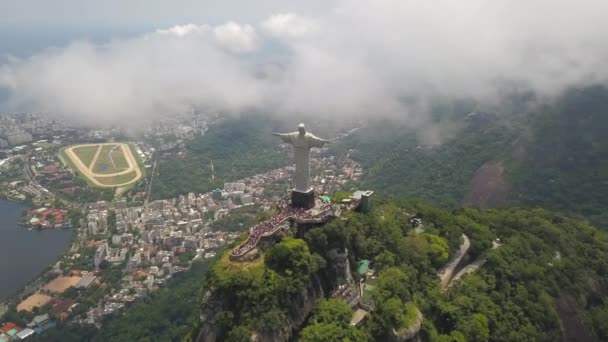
[(127, 246)]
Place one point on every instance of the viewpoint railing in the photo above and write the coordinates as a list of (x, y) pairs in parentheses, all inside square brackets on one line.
[(270, 227)]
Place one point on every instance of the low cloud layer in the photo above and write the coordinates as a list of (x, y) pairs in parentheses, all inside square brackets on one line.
[(360, 57)]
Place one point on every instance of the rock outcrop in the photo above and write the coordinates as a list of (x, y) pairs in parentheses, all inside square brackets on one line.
[(409, 333), (301, 306)]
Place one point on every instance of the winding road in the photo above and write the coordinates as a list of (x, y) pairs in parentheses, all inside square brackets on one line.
[(448, 271), (472, 267)]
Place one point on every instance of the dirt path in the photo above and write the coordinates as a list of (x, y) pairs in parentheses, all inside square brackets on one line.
[(92, 176), (94, 161), (446, 273), (470, 268), (112, 159)]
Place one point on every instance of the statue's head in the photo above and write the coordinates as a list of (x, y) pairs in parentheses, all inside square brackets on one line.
[(301, 129)]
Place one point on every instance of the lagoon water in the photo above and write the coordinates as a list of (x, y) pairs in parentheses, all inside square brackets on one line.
[(24, 253)]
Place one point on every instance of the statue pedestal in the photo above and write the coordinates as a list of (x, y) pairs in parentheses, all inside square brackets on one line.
[(304, 200)]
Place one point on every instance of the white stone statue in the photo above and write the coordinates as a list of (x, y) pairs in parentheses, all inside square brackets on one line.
[(302, 141)]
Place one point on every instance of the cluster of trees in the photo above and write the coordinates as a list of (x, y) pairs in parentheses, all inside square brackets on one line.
[(393, 301), (237, 147), (554, 155), (111, 222), (258, 296), (547, 261), (84, 193), (74, 216), (404, 162), (240, 219), (567, 156), (166, 315), (331, 322)]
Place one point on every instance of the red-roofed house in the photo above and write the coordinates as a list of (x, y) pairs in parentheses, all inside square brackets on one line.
[(8, 326)]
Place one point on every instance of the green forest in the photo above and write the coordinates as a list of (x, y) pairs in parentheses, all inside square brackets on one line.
[(397, 165), (566, 160), (257, 295), (544, 261), (555, 154), (550, 269)]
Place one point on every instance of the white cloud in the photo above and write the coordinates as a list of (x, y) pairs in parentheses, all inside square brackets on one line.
[(235, 37), (183, 30), (231, 36), (288, 25), (361, 57), (158, 74)]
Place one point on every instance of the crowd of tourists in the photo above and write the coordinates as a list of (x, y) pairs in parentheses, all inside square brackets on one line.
[(271, 226), (266, 228)]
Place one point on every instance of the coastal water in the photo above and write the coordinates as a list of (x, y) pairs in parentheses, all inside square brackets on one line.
[(24, 253)]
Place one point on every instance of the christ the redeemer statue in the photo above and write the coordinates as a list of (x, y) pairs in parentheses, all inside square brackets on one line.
[(302, 141)]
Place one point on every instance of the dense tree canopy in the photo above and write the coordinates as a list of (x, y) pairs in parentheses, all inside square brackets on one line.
[(554, 154), (257, 296), (167, 315), (545, 260), (331, 322)]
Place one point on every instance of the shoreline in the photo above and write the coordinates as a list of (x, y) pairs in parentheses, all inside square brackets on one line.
[(33, 285), (38, 281)]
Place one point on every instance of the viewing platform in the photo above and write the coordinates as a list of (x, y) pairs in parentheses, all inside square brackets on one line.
[(320, 213)]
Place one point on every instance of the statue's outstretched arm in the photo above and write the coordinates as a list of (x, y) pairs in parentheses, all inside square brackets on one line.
[(285, 136), (315, 141)]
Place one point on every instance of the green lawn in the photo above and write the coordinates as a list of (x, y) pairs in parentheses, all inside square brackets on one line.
[(86, 154), (104, 164), (119, 159), (72, 166)]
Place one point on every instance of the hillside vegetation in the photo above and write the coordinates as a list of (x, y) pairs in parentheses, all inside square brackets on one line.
[(565, 164), (243, 298), (167, 315), (398, 165), (237, 147), (554, 155), (547, 279)]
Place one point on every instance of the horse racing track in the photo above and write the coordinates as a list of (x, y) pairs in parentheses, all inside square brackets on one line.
[(105, 165)]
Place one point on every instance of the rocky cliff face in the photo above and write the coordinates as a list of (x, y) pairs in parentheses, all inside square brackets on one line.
[(410, 333), (300, 308), (210, 305)]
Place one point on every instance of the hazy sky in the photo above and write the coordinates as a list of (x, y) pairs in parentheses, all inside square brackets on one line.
[(115, 15), (27, 26), (337, 58)]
